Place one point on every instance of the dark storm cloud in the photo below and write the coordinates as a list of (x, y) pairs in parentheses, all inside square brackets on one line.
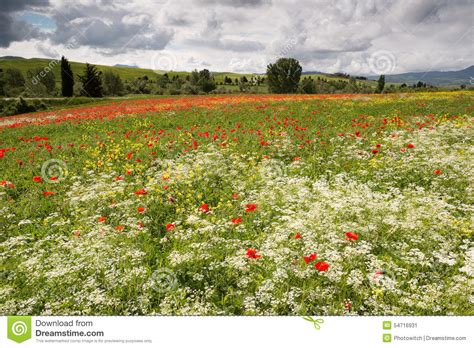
[(18, 5), (12, 29), (108, 28)]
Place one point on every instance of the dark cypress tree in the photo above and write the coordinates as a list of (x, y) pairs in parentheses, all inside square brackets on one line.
[(91, 82), (67, 78), (380, 84)]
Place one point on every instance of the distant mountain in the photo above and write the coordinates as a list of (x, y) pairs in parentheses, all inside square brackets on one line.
[(460, 77), (312, 73), (126, 66), (11, 57)]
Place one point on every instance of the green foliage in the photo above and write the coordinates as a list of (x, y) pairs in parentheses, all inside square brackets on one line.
[(200, 81), (243, 84), (67, 78), (284, 75), (91, 82), (2, 82), (307, 86), (113, 84), (40, 82), (380, 84), (14, 77)]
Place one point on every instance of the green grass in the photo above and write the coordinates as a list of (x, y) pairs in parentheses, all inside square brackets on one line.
[(24, 65)]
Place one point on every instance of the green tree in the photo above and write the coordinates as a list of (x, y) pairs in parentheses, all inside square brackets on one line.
[(14, 78), (284, 75), (67, 78), (91, 82), (243, 84), (113, 84), (206, 81), (43, 76), (380, 84), (308, 86), (2, 83)]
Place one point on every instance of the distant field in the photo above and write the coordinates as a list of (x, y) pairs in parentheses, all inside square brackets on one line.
[(28, 64)]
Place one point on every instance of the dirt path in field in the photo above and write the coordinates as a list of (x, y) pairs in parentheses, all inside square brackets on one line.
[(142, 106)]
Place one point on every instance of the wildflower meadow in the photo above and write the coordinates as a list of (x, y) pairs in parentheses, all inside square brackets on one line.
[(240, 205)]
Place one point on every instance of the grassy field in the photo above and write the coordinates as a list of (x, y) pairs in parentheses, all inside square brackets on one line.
[(77, 68), (303, 204)]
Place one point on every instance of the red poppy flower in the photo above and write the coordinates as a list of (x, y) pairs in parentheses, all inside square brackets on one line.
[(120, 228), (48, 193), (37, 179), (309, 258), (297, 236), (250, 207), (375, 152), (322, 266), (351, 236), (410, 146), (378, 146), (169, 227), (236, 220), (102, 219), (118, 178), (141, 192), (204, 208), (235, 196), (141, 209), (53, 178), (437, 171), (252, 254)]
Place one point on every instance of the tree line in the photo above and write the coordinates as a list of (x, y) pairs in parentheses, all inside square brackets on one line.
[(283, 76)]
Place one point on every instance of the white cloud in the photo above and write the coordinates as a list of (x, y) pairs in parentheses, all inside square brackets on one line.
[(245, 35)]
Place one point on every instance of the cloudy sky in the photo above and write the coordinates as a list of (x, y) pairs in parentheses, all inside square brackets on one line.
[(357, 37)]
